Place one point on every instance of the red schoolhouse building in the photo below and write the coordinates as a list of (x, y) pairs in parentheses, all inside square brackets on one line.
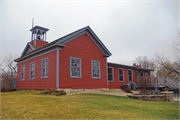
[(77, 60)]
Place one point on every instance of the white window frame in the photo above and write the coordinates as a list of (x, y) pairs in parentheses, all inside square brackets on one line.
[(112, 75), (24, 72), (42, 68), (142, 73), (146, 74), (131, 75), (34, 70), (92, 69), (79, 67), (119, 74)]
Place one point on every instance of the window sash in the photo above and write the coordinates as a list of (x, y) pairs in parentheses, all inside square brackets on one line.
[(32, 70), (23, 72), (45, 68), (142, 74), (146, 74), (137, 73), (95, 69), (75, 67), (121, 75), (130, 75), (110, 74)]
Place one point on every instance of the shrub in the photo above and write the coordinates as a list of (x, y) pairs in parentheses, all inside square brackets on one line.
[(7, 82), (53, 92), (147, 82)]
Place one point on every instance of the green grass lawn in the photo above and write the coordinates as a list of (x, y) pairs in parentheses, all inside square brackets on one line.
[(30, 105)]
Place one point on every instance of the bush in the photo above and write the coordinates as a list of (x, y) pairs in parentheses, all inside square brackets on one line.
[(7, 82), (127, 90), (147, 82), (53, 92)]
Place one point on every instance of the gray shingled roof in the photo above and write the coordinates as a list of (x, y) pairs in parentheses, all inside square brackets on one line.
[(127, 66)]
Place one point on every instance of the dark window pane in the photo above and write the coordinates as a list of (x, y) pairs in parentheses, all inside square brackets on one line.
[(110, 78), (136, 73), (120, 71), (109, 70), (120, 78), (130, 78)]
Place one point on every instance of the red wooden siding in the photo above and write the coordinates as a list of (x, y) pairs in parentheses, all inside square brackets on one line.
[(84, 48), (116, 83), (38, 82), (39, 43)]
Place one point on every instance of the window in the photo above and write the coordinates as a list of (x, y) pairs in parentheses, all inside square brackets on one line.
[(23, 72), (121, 75), (142, 74), (130, 76), (75, 67), (44, 68), (137, 73), (32, 70), (146, 74), (95, 69), (110, 74)]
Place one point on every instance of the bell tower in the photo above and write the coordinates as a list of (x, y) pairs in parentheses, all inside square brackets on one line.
[(39, 35)]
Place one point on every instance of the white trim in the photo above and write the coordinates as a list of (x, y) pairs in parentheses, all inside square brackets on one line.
[(57, 69), (107, 71), (79, 67), (47, 49), (34, 70), (31, 46), (24, 72), (131, 75), (118, 74), (34, 56), (92, 69), (42, 67), (112, 75)]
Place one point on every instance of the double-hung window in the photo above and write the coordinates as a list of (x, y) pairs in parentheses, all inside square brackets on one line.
[(75, 67), (146, 74), (121, 74), (110, 74), (23, 72), (142, 74), (137, 73), (45, 66), (32, 70), (95, 69), (130, 79)]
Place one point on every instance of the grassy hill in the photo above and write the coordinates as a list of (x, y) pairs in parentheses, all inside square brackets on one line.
[(31, 105)]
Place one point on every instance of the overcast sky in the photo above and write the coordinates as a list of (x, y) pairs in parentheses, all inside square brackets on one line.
[(127, 28)]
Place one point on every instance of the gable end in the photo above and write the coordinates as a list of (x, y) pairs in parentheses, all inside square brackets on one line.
[(91, 34)]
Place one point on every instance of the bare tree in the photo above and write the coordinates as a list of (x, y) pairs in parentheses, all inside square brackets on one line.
[(146, 63), (8, 70), (166, 68)]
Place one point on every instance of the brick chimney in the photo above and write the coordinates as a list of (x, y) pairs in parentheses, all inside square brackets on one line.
[(134, 64)]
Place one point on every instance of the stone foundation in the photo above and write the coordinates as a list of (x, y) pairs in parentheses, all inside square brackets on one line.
[(80, 91), (168, 98)]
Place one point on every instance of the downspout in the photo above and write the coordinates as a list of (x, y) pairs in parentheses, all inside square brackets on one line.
[(57, 69), (136, 77), (107, 71)]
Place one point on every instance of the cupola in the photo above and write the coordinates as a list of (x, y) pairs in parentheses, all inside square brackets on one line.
[(38, 37)]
